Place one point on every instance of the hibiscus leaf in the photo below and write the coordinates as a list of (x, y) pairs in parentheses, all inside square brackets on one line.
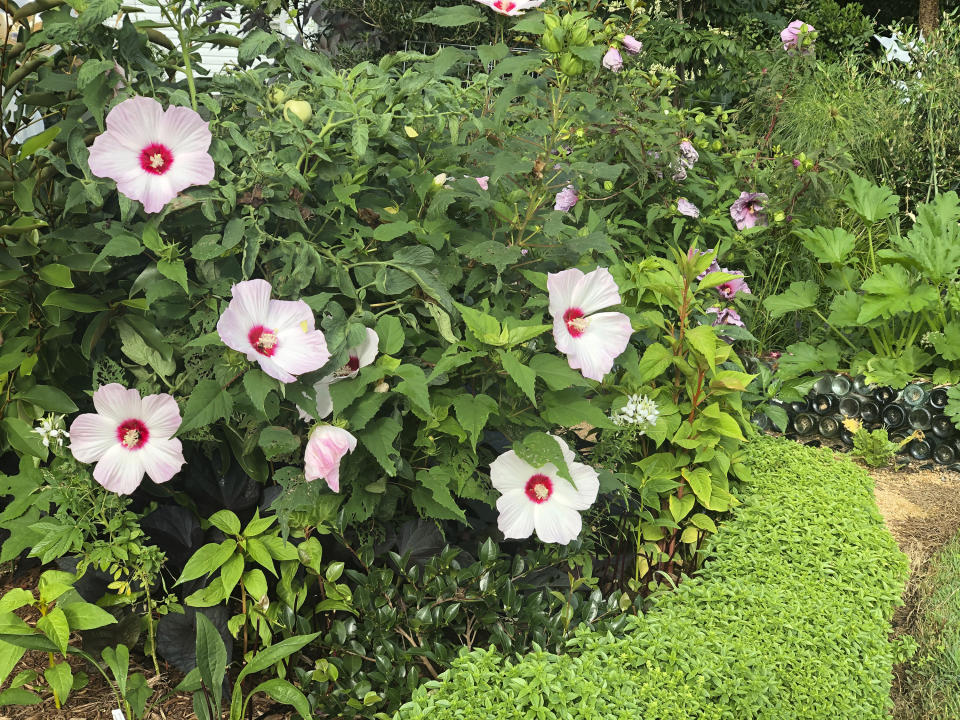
[(207, 403), (414, 386), (433, 498), (258, 385), (523, 376), (472, 413), (377, 437), (452, 16), (539, 449)]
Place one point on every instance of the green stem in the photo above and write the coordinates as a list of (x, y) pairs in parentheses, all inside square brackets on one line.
[(873, 260), (838, 333)]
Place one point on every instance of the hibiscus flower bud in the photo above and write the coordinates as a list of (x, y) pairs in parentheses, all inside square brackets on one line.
[(300, 108), (580, 34), (382, 387)]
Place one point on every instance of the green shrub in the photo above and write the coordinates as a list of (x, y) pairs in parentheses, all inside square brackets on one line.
[(789, 619)]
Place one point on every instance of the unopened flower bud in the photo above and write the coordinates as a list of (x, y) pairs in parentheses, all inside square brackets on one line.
[(382, 387)]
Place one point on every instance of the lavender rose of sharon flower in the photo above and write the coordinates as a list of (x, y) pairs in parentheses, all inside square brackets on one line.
[(790, 36), (632, 45), (747, 210), (613, 60), (685, 207), (566, 199)]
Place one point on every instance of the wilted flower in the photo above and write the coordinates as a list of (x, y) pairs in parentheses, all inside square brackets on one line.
[(726, 316), (632, 45), (127, 437), (566, 199), (798, 34), (591, 342), (151, 153), (51, 431), (688, 154), (327, 446), (483, 182), (612, 60), (280, 335), (358, 357), (895, 50), (511, 7), (440, 180), (685, 207), (639, 410), (747, 210), (537, 498)]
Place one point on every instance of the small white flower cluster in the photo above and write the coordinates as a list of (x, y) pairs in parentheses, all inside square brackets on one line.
[(51, 431), (639, 410)]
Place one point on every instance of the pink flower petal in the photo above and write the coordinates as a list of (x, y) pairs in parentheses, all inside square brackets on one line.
[(247, 309), (366, 352), (186, 130), (120, 470), (324, 400), (299, 352), (91, 436), (116, 403), (286, 314), (161, 416), (588, 292), (162, 458), (325, 449)]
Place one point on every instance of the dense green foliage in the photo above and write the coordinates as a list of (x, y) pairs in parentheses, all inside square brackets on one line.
[(788, 620)]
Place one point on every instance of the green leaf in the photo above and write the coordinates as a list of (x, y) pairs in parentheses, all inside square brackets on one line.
[(392, 230), (86, 616), (485, 327), (844, 310), (556, 372), (277, 441), (206, 560), (519, 334), (390, 332), (947, 343), (15, 599), (174, 270), (211, 658), (435, 488), (74, 301), (258, 385), (19, 696), (60, 679), (569, 408), (656, 359), (56, 627), (230, 574), (205, 405), (273, 654), (828, 245), (22, 438), (56, 274), (48, 398), (801, 295), (9, 657), (539, 449), (892, 291), (523, 376), (704, 522), (414, 386), (703, 339), (680, 507), (285, 693), (472, 413), (452, 16), (378, 437), (38, 142), (226, 521), (259, 554), (871, 202), (699, 481)]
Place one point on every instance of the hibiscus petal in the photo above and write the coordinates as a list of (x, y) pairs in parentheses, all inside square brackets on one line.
[(299, 352), (516, 514), (116, 403), (152, 191), (247, 309), (188, 169), (119, 470), (185, 131), (367, 351), (134, 123), (325, 449), (287, 314), (91, 436), (162, 458), (161, 415), (508, 472), (562, 287), (584, 494), (556, 523), (607, 335)]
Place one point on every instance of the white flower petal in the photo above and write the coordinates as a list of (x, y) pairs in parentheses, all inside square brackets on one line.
[(299, 352), (162, 458), (92, 436), (556, 523), (324, 400), (593, 352), (287, 314), (366, 352), (516, 514), (587, 292), (587, 485), (119, 470), (161, 416), (184, 131), (116, 403), (247, 309), (508, 472)]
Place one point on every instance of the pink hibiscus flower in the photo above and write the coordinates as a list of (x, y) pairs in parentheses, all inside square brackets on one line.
[(327, 446), (539, 499), (566, 199), (726, 316), (511, 7), (127, 437), (278, 334), (747, 210), (730, 288), (151, 154), (590, 340), (798, 34)]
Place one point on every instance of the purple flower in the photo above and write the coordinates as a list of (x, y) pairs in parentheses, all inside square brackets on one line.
[(796, 163), (613, 60), (747, 210), (566, 199), (680, 172), (731, 287), (632, 45), (798, 34), (685, 207), (726, 316)]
